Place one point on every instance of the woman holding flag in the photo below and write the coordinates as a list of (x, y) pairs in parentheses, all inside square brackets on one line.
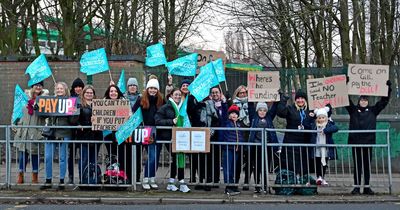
[(169, 115)]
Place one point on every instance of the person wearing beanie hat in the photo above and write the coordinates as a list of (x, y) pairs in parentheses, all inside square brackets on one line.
[(325, 129), (263, 119), (363, 117), (230, 154), (297, 118), (132, 94), (153, 83), (77, 87), (184, 86)]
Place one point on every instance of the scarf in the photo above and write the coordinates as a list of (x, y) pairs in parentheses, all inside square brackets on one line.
[(29, 106), (321, 139), (180, 157)]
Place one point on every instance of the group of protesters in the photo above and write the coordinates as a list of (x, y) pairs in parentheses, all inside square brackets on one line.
[(217, 110)]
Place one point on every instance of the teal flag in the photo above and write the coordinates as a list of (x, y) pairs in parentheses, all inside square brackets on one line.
[(121, 82), (184, 66), (155, 55), (219, 70), (94, 62), (38, 70), (20, 101), (183, 113), (200, 87), (126, 129)]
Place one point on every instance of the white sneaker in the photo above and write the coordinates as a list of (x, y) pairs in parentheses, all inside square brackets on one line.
[(172, 187), (153, 184), (183, 187), (145, 183), (319, 180), (324, 183)]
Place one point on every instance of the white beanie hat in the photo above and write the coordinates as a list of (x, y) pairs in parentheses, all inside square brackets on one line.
[(322, 111), (153, 83), (261, 105)]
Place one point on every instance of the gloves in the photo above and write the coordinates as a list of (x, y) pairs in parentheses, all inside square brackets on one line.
[(227, 95), (347, 79), (35, 107), (330, 110), (389, 83)]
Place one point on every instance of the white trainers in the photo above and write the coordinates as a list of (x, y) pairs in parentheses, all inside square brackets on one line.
[(319, 180), (145, 183), (183, 187), (324, 183), (152, 183), (172, 187)]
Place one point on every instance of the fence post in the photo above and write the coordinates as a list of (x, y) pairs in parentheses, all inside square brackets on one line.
[(264, 172), (8, 157), (389, 160), (133, 147)]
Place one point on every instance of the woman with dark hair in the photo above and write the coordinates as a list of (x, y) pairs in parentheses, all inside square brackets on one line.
[(88, 151), (123, 152), (150, 102), (168, 115)]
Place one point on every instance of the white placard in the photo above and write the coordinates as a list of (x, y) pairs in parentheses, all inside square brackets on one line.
[(182, 140), (199, 141)]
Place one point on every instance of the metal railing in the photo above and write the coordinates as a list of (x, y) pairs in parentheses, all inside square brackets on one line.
[(263, 161)]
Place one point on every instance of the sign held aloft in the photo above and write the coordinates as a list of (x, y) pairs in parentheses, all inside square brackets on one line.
[(328, 90), (368, 79), (263, 86), (110, 114), (57, 106)]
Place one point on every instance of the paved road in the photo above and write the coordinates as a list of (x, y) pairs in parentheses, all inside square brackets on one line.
[(383, 206)]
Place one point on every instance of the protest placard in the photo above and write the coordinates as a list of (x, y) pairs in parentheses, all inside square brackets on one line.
[(332, 90), (190, 140), (109, 114), (263, 86), (368, 79), (205, 56), (57, 106), (126, 129)]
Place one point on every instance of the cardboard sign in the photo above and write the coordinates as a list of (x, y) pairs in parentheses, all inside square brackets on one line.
[(368, 79), (263, 86), (191, 140), (204, 56), (57, 106), (109, 114), (326, 90)]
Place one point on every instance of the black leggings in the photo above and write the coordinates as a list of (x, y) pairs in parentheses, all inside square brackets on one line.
[(319, 168), (361, 162)]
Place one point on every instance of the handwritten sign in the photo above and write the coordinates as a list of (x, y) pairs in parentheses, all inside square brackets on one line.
[(110, 114), (204, 56), (57, 106), (263, 86), (191, 140), (368, 79), (326, 90)]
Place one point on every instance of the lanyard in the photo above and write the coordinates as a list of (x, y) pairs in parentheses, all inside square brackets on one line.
[(302, 116)]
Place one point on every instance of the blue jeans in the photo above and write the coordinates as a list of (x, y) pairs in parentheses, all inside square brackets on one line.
[(153, 151), (88, 155), (23, 159), (229, 159), (49, 152)]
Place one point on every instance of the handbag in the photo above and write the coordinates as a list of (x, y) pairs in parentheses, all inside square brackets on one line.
[(47, 131)]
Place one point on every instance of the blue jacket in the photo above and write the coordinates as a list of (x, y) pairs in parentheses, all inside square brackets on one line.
[(230, 135), (328, 130), (269, 117)]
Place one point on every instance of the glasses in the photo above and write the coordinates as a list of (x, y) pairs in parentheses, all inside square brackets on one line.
[(243, 92), (177, 95), (38, 85), (214, 92)]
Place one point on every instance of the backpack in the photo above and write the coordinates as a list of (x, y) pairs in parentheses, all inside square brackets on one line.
[(91, 175), (286, 177)]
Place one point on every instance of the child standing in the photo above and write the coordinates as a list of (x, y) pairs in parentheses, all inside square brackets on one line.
[(263, 119), (231, 152), (325, 127)]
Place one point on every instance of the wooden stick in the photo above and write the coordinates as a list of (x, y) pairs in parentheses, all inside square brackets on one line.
[(109, 72), (54, 80), (226, 86)]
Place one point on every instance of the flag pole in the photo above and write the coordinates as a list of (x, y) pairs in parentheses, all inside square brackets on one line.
[(109, 73), (54, 80)]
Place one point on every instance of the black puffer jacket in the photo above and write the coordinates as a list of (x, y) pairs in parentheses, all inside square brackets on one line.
[(365, 119), (293, 120), (85, 117), (164, 117)]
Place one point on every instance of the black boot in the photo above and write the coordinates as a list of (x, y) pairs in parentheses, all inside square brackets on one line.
[(368, 191), (61, 186), (356, 191), (46, 185)]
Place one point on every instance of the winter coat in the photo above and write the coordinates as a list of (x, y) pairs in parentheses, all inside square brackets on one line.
[(256, 136), (194, 109), (85, 119), (30, 133), (328, 131), (365, 119), (293, 120), (164, 117)]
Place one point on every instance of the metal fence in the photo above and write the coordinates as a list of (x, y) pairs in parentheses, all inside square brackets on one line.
[(259, 165)]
